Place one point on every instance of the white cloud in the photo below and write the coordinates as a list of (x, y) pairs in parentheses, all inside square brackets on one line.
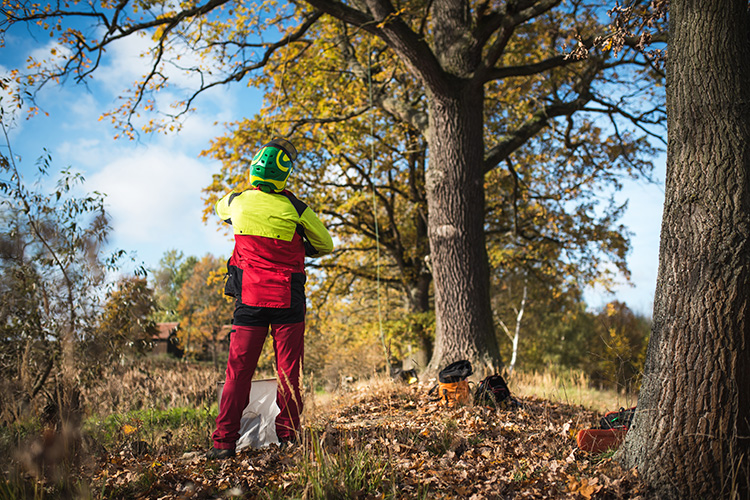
[(51, 53), (129, 60), (153, 196), (84, 108), (80, 153), (124, 63)]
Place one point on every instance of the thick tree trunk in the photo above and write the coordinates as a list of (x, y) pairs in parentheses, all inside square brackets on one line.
[(691, 435), (455, 197), (418, 301), (417, 276)]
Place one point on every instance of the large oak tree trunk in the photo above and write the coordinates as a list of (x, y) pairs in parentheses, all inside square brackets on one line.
[(455, 196), (693, 421)]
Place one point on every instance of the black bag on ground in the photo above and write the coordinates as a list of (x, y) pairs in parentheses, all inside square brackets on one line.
[(617, 419), (492, 391), (455, 372)]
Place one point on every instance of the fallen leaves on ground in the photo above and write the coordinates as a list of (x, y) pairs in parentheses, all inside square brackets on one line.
[(431, 451)]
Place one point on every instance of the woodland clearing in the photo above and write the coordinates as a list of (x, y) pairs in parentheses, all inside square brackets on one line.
[(378, 439)]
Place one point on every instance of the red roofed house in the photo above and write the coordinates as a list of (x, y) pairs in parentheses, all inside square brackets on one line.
[(166, 341)]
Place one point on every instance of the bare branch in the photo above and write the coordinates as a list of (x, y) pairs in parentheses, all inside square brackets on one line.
[(528, 69), (517, 138)]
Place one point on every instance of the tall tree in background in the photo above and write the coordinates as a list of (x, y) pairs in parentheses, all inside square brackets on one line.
[(543, 210), (691, 435), (366, 168), (173, 271), (126, 325), (458, 52), (52, 268)]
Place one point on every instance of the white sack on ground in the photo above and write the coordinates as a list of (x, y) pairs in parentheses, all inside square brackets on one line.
[(258, 424)]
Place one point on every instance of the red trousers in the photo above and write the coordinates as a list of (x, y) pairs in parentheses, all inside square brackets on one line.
[(245, 346)]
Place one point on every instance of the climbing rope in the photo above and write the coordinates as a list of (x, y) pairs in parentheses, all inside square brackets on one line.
[(278, 93), (375, 205)]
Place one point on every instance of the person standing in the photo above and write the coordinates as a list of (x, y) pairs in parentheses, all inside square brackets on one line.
[(273, 232)]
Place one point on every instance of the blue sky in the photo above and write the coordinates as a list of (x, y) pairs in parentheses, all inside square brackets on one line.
[(153, 185)]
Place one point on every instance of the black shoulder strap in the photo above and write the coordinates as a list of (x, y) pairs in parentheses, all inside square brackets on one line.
[(299, 206), (232, 197)]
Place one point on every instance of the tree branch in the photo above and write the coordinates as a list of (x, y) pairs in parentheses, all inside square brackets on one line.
[(528, 69), (386, 23), (508, 143), (505, 24)]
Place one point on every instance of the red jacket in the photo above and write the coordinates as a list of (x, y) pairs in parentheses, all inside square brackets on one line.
[(273, 232)]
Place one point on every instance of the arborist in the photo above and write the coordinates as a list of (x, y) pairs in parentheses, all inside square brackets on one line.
[(273, 232)]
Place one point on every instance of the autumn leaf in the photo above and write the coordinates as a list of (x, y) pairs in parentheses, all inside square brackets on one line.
[(585, 487), (128, 429)]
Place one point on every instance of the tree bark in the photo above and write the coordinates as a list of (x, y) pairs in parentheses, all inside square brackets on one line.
[(419, 292), (418, 301), (455, 196), (691, 434)]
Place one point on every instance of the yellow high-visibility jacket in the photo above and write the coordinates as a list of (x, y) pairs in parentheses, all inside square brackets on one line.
[(272, 232)]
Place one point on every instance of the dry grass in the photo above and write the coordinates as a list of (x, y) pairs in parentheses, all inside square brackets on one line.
[(149, 424), (571, 388), (153, 383)]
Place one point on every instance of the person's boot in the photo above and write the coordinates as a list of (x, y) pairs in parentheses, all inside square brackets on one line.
[(219, 454)]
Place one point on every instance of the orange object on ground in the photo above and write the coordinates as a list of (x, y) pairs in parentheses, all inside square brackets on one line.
[(455, 392), (599, 440)]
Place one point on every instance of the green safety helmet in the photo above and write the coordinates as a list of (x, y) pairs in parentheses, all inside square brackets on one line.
[(272, 165)]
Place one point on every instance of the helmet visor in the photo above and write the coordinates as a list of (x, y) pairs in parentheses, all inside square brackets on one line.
[(287, 146)]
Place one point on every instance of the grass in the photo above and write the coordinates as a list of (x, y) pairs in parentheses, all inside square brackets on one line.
[(569, 387), (439, 441), (347, 472), (178, 428), (18, 432), (366, 442)]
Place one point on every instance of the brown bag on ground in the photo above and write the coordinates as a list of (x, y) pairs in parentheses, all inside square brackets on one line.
[(452, 393)]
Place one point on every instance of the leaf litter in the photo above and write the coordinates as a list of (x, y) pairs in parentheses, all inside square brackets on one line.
[(423, 450)]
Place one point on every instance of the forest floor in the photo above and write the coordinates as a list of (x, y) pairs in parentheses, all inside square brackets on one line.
[(389, 441)]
